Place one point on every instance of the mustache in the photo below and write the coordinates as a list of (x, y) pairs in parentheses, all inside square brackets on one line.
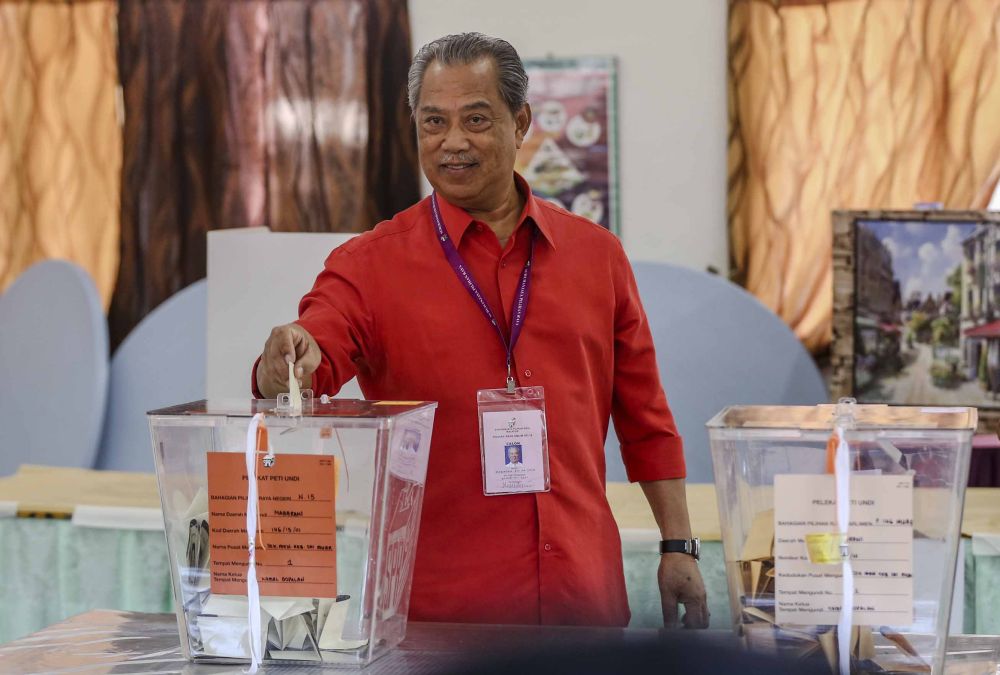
[(458, 158)]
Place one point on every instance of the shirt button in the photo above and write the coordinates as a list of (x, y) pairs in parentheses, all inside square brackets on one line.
[(527, 373), (548, 547), (503, 263)]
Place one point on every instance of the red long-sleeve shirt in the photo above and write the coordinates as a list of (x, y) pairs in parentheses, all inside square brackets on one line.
[(389, 308)]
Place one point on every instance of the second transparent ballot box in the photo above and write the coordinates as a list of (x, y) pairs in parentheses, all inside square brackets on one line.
[(334, 508), (822, 503)]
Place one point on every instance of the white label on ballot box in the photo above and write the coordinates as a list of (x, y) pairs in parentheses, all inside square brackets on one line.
[(409, 450), (879, 540)]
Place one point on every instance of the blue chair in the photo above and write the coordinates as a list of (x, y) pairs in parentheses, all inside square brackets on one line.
[(160, 363), (54, 365), (716, 345)]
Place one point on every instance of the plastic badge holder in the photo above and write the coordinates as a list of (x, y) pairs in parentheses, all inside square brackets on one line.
[(513, 441), (893, 452), (379, 451)]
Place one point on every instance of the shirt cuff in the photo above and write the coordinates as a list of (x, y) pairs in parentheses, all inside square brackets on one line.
[(654, 459)]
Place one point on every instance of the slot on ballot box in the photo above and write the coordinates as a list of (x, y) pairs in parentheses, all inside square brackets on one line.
[(326, 503)]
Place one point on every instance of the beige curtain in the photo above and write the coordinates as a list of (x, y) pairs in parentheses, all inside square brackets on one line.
[(60, 142), (850, 104)]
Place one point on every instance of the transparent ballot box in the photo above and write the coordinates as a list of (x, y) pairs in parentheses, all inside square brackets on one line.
[(334, 510), (861, 501)]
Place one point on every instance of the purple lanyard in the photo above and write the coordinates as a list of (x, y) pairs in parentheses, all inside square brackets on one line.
[(465, 276)]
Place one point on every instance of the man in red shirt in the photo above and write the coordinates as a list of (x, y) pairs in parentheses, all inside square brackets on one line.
[(431, 305)]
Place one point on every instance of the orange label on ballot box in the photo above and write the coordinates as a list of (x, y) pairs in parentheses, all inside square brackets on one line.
[(295, 544)]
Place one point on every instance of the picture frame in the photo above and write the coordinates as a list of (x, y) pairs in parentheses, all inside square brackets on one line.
[(570, 154), (916, 309)]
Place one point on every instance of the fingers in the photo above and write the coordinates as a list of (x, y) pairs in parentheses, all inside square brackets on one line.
[(680, 582), (695, 601), (289, 343), (669, 602), (696, 613), (307, 355), (302, 344), (279, 350), (286, 344)]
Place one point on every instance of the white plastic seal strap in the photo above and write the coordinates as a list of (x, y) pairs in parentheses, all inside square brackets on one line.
[(253, 591), (842, 473)]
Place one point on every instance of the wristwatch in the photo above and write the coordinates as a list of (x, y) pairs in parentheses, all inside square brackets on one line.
[(690, 546)]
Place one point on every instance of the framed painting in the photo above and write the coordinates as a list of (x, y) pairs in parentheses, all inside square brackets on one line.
[(916, 309)]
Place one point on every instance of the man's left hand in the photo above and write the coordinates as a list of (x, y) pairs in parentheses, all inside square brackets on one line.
[(680, 582)]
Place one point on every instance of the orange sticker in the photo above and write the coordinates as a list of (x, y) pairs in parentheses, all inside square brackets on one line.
[(295, 544)]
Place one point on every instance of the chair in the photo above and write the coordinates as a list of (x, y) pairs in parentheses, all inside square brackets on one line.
[(54, 365), (716, 345), (160, 363)]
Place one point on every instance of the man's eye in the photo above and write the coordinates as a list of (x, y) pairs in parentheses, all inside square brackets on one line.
[(433, 121)]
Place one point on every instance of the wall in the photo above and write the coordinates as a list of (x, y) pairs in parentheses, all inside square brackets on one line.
[(243, 304), (672, 103)]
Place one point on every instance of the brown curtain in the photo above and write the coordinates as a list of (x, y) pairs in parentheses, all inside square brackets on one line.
[(284, 113), (60, 141), (850, 104)]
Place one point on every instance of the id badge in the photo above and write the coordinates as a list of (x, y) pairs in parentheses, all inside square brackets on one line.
[(513, 440)]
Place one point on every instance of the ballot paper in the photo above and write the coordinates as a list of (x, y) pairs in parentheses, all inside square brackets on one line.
[(879, 541), (294, 393), (280, 609), (225, 605), (331, 635), (290, 633), (759, 543), (224, 628)]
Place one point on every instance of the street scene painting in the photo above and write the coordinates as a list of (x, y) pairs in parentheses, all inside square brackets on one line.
[(927, 313)]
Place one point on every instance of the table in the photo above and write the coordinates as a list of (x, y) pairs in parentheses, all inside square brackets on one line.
[(105, 642), (53, 568), (108, 641), (85, 557)]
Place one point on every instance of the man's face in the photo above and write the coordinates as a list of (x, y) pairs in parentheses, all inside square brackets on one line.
[(467, 137), (515, 455)]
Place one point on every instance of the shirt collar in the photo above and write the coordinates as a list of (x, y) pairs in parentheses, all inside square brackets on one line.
[(457, 220)]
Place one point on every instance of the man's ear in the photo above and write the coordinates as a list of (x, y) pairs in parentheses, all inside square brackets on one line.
[(522, 121)]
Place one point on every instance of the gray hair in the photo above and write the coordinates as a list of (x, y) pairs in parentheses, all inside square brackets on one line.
[(465, 48)]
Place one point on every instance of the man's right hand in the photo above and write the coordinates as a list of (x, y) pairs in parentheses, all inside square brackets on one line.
[(290, 342)]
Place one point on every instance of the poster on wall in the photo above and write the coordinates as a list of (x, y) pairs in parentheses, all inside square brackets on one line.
[(570, 153)]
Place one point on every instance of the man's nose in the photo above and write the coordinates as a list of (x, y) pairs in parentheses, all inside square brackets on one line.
[(455, 140)]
